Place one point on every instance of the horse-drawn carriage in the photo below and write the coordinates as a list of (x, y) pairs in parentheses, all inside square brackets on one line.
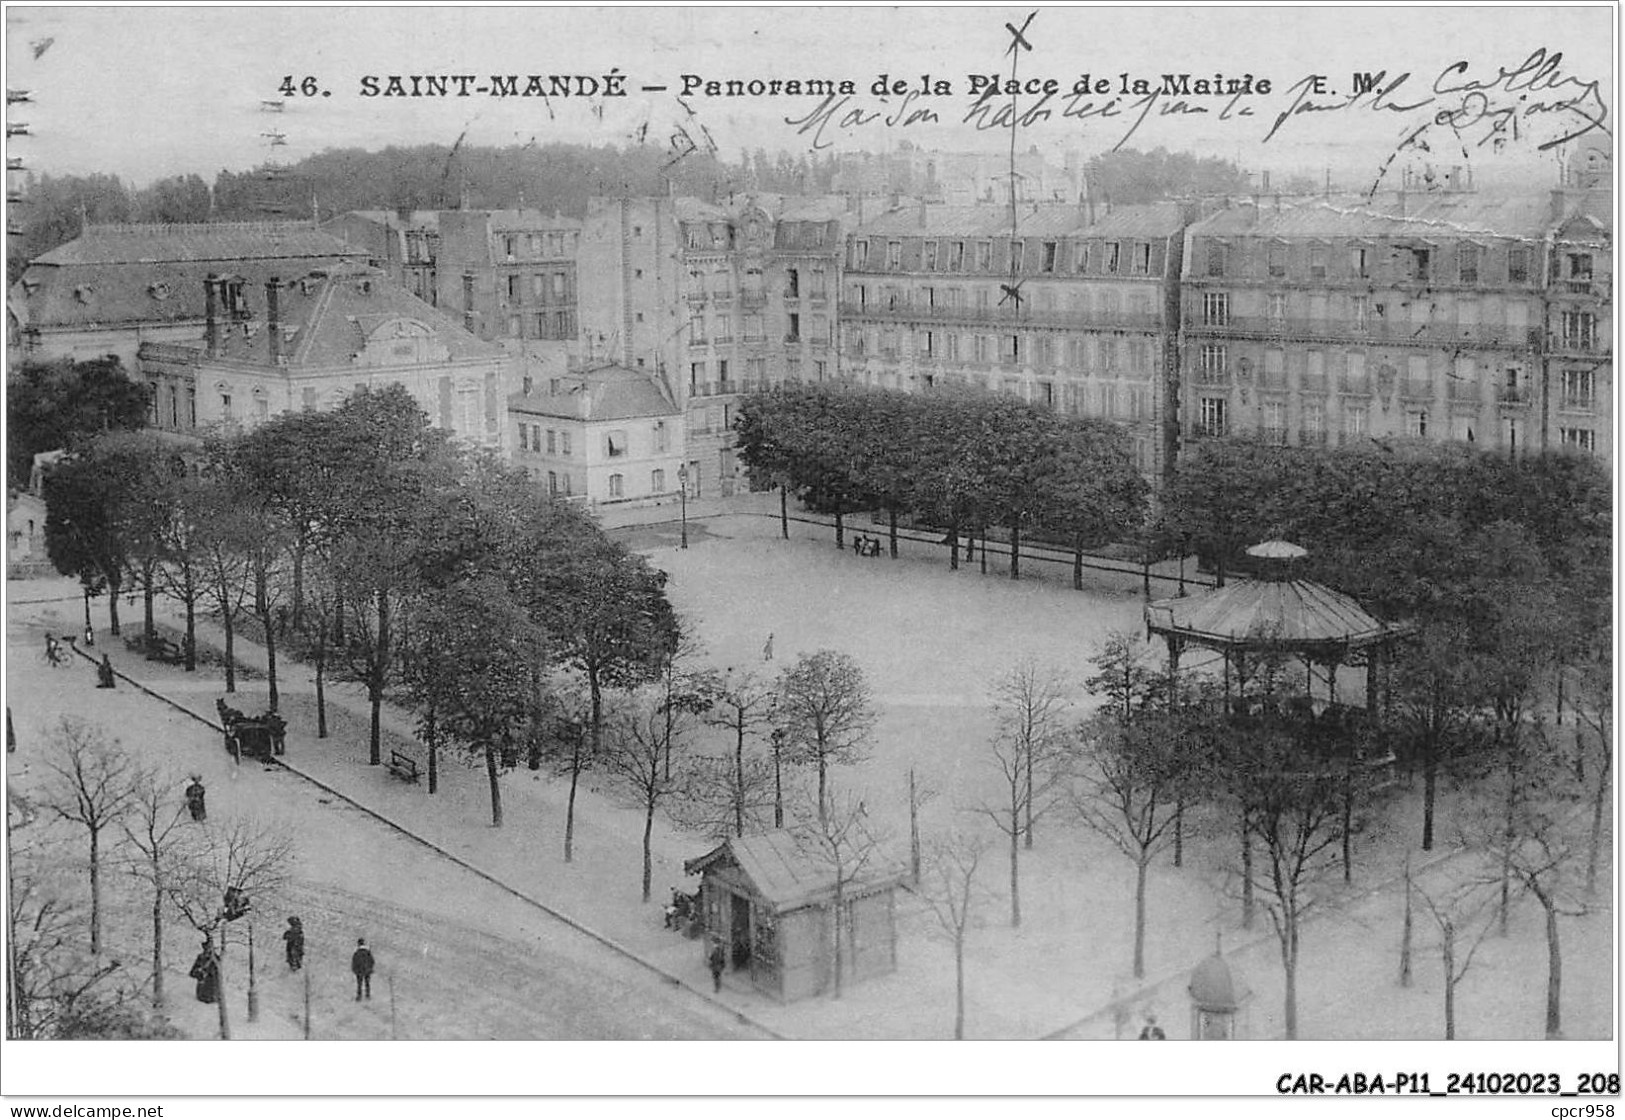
[(258, 737)]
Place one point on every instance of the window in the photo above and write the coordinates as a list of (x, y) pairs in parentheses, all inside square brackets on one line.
[(662, 436), (510, 246), (1312, 427), (552, 442), (1277, 259), (1275, 307), (564, 449), (1354, 420), (616, 485), (696, 376), (929, 263), (1142, 258), (1317, 262), (860, 251), (1275, 422), (754, 331), (983, 348), (1215, 309), (1421, 263), (524, 437), (225, 405), (792, 284), (516, 287), (1216, 255), (1467, 263), (1577, 271), (552, 482), (696, 330), (1359, 261), (1082, 261), (1214, 361), (1050, 249), (818, 280), (1416, 425), (1579, 330), (1579, 390), (1518, 266), (1017, 255), (894, 254), (1009, 349), (1580, 439), (755, 370), (956, 256), (950, 347), (794, 332), (657, 482), (1113, 255), (984, 256), (1212, 414), (792, 368), (1360, 306), (1108, 355), (923, 344)]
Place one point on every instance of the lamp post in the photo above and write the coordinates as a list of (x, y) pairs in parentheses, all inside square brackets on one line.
[(682, 491)]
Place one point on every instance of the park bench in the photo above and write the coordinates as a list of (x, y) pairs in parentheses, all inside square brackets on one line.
[(403, 766)]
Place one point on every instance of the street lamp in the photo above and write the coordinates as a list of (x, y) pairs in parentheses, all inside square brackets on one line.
[(682, 490)]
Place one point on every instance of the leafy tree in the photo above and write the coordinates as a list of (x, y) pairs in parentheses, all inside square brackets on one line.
[(85, 532), (828, 713), (63, 405)]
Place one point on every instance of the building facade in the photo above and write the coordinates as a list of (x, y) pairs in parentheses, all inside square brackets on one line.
[(603, 435), (716, 301), (1578, 384), (510, 274), (1068, 309), (1331, 322), (309, 342)]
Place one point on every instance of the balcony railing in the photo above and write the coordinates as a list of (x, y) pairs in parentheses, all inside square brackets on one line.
[(1513, 396), (1374, 329), (1002, 315)]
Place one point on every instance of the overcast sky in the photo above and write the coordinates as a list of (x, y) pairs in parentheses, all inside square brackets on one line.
[(151, 91)]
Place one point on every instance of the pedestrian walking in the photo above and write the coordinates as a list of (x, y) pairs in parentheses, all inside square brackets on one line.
[(90, 637), (718, 960), (206, 971), (104, 673), (11, 735), (195, 799), (53, 651), (361, 963), (294, 937), (767, 650)]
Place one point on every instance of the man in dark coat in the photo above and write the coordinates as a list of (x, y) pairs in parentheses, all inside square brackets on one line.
[(206, 971), (294, 935), (104, 673), (195, 799), (718, 960), (361, 964)]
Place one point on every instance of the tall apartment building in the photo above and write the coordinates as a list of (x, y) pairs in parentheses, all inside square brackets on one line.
[(405, 244), (1070, 309), (510, 274), (1411, 316), (716, 301), (1578, 398)]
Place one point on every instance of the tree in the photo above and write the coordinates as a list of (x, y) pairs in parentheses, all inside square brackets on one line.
[(48, 976), (1027, 703), (950, 892), (1130, 774), (1123, 679), (63, 405), (642, 739), (85, 498), (839, 839), (225, 532), (744, 704), (152, 829), (93, 785), (828, 714), (1460, 915), (224, 867)]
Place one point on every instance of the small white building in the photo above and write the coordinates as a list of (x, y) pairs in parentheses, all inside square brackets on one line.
[(608, 434)]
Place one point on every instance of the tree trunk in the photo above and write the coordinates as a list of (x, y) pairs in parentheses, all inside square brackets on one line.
[(953, 547), (970, 544), (492, 777), (270, 658), (321, 683), (1430, 786), (840, 907), (1509, 835), (1289, 961), (982, 532), (1179, 830), (570, 806), (220, 989), (1139, 912), (1405, 936), (95, 894), (739, 772), (823, 785), (377, 678), (157, 936), (375, 699), (913, 830), (189, 647), (231, 643), (1015, 855), (959, 984), (784, 513), (299, 549), (431, 740), (148, 596), (648, 831), (113, 586), (778, 786), (1554, 968), (1599, 808), (1348, 823), (1246, 872), (840, 532), (893, 517), (1077, 563), (1015, 551)]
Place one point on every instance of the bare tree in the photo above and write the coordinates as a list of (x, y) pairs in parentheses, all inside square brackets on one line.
[(1593, 704), (840, 839), (1461, 914), (949, 889), (1129, 779), (642, 738), (1025, 748), (744, 704), (220, 876), (920, 793), (827, 710), (93, 785), (712, 788), (153, 828)]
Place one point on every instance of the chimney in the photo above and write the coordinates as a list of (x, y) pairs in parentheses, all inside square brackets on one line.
[(273, 321), (211, 315)]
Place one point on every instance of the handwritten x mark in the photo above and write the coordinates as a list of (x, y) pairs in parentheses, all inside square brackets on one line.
[(1012, 292), (1018, 37)]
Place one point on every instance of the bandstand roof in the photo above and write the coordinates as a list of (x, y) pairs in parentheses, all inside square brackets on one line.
[(1291, 616)]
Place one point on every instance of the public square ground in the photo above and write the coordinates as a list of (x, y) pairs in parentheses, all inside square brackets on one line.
[(470, 959)]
